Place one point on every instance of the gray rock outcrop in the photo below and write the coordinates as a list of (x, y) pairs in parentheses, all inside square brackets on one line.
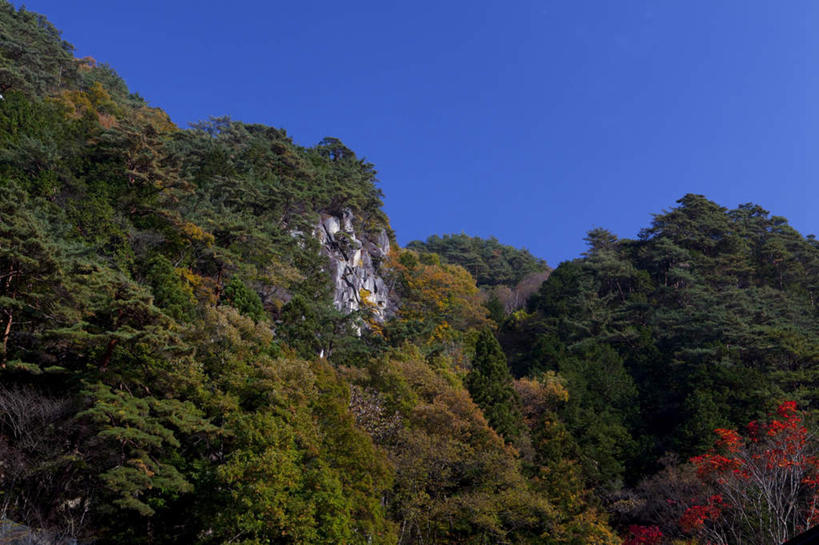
[(355, 265)]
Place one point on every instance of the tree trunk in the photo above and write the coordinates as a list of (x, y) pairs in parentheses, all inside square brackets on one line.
[(109, 351), (6, 333)]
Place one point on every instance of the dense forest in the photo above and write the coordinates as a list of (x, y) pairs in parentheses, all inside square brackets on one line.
[(173, 368)]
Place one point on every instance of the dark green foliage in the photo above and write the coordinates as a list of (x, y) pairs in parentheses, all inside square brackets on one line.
[(317, 330), (244, 299), (137, 478), (490, 385), (711, 312), (30, 272), (602, 403), (302, 328), (487, 260), (170, 292), (33, 57), (259, 170), (496, 309)]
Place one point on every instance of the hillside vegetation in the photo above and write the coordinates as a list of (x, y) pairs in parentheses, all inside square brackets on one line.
[(507, 276), (489, 261), (173, 369), (707, 321)]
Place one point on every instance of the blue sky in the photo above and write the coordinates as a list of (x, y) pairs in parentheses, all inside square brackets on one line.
[(533, 121)]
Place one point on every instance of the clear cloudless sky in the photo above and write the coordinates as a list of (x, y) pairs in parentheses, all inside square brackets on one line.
[(530, 120)]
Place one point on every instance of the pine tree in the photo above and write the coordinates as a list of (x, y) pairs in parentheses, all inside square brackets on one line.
[(244, 299), (29, 272)]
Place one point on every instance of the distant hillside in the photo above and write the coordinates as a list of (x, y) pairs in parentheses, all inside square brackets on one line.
[(507, 276), (487, 260)]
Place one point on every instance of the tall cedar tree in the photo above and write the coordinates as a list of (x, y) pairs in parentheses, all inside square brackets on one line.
[(490, 384)]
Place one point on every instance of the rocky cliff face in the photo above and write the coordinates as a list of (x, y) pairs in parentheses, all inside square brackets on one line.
[(355, 265)]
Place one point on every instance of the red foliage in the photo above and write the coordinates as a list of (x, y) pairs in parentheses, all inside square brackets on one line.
[(696, 515), (785, 440), (787, 410), (709, 464), (774, 458), (644, 535), (728, 439)]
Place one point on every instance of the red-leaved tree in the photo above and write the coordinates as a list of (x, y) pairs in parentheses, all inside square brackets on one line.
[(643, 535), (761, 488)]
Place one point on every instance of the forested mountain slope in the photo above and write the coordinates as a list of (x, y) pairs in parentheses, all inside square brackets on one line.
[(707, 321), (177, 367), (211, 336)]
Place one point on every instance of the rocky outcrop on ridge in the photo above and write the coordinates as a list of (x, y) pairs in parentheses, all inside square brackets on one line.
[(355, 265)]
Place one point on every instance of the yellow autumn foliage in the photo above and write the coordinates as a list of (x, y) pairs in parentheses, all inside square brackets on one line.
[(95, 102), (442, 297), (196, 233)]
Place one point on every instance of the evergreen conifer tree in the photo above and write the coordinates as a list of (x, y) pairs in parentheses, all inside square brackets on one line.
[(490, 384)]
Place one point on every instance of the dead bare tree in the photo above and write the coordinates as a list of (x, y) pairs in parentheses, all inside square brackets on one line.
[(31, 430)]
